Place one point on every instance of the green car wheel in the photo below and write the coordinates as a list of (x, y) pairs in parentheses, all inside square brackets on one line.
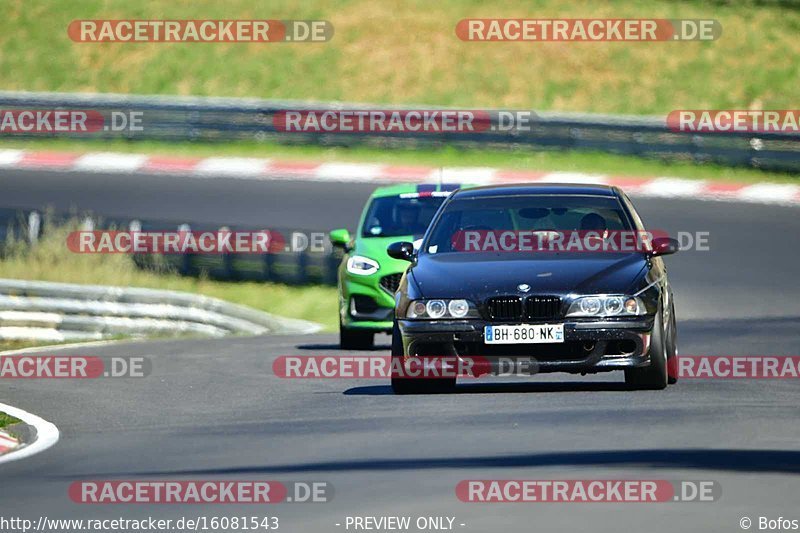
[(354, 339)]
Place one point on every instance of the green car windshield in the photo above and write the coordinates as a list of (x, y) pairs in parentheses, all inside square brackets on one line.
[(395, 216)]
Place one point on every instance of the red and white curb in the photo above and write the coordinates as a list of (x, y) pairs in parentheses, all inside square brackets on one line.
[(46, 435), (7, 442), (270, 169)]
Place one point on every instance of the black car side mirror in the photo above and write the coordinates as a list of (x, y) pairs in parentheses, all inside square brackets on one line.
[(401, 250), (664, 246)]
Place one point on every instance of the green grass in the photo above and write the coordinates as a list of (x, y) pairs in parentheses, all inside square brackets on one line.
[(568, 161), (50, 260), (7, 420), (407, 52)]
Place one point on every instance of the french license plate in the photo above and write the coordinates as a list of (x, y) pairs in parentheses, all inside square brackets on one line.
[(524, 334)]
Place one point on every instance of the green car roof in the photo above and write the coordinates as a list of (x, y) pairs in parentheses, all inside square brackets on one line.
[(406, 188)]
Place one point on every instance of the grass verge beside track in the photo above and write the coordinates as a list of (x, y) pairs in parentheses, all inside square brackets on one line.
[(7, 420), (408, 52)]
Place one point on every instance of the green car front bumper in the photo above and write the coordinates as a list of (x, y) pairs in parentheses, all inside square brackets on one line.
[(367, 302)]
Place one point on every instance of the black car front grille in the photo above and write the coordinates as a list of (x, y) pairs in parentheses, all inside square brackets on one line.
[(534, 307), (543, 307), (391, 282), (504, 307)]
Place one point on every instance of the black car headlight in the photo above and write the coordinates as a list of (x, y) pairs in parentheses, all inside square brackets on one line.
[(435, 309), (605, 305)]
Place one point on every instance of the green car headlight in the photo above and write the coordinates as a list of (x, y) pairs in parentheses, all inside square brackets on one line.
[(362, 266)]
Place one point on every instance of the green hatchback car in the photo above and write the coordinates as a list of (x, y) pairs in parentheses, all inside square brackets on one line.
[(367, 276)]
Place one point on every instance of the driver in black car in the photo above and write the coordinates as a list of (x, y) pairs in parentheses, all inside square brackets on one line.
[(593, 222)]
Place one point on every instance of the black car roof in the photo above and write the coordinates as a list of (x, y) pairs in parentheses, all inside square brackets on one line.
[(537, 188)]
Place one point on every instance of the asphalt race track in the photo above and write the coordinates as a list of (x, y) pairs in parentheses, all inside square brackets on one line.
[(213, 409)]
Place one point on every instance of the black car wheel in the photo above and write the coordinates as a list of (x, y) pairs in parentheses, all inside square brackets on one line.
[(653, 376), (405, 385), (672, 348), (354, 339)]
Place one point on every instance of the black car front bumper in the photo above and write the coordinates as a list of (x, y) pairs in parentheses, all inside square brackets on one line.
[(589, 346)]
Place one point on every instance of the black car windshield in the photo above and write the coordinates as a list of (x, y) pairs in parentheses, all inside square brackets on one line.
[(395, 216), (531, 213)]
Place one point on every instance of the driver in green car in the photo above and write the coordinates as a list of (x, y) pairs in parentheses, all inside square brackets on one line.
[(368, 277)]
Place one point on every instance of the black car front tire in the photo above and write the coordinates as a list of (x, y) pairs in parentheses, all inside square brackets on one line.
[(654, 376), (672, 348)]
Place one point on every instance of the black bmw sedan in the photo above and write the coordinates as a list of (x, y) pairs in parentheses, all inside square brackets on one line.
[(549, 277)]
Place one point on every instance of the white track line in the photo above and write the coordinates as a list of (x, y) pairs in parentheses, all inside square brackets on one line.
[(241, 167), (574, 177), (110, 162), (475, 175), (673, 187), (769, 192), (46, 434), (348, 172), (11, 158)]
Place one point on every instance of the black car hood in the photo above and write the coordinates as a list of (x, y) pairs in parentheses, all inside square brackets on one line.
[(477, 276)]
